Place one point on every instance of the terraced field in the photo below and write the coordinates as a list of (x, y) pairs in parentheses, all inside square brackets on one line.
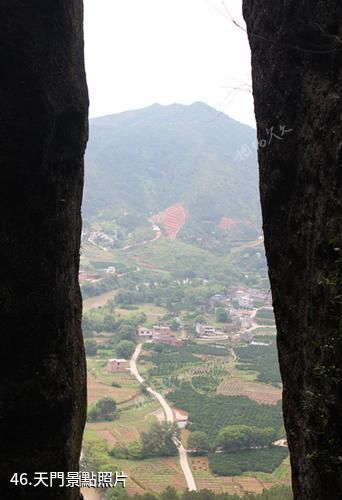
[(171, 219), (151, 474)]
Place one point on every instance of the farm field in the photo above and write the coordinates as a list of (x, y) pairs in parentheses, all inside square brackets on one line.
[(262, 359), (143, 475), (211, 413), (136, 416), (172, 219), (239, 485), (245, 383), (152, 474), (99, 300), (261, 393), (200, 378), (97, 389), (128, 426), (94, 253), (153, 313), (235, 464), (213, 374)]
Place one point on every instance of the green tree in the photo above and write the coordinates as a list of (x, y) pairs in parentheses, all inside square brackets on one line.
[(93, 414), (141, 318), (126, 298), (116, 494), (143, 390), (174, 325), (238, 437), (104, 409), (109, 323), (125, 349), (111, 306), (233, 437), (169, 493), (159, 440), (90, 346), (149, 496), (206, 495), (198, 442), (134, 450), (264, 437), (127, 331), (119, 451), (222, 315)]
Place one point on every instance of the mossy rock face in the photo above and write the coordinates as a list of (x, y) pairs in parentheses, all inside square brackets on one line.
[(295, 81), (43, 130)]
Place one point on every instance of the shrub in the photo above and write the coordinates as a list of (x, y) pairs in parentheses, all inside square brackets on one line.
[(104, 409)]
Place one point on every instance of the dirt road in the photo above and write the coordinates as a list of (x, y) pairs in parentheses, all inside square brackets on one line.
[(183, 458), (156, 237)]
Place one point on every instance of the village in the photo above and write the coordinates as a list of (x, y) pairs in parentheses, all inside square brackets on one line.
[(241, 307)]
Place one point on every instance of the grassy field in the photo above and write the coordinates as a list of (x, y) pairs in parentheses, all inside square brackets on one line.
[(93, 253), (101, 387), (128, 426), (153, 313), (99, 300)]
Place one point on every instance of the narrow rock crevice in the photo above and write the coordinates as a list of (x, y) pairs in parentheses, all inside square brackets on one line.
[(296, 63), (43, 133)]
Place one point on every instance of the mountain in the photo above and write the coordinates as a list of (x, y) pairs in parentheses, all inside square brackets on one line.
[(170, 163)]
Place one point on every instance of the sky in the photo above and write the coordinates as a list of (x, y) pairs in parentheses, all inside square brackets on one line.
[(139, 52)]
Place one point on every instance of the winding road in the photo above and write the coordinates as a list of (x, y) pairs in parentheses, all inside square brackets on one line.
[(183, 457)]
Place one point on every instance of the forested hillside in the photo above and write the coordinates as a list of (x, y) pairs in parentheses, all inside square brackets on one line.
[(142, 162)]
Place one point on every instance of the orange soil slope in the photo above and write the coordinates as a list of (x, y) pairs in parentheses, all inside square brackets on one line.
[(227, 223), (172, 219)]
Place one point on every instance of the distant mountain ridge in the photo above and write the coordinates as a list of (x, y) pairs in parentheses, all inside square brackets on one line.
[(143, 162)]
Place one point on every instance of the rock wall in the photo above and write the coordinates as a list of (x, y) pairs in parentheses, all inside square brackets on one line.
[(43, 132), (297, 80)]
